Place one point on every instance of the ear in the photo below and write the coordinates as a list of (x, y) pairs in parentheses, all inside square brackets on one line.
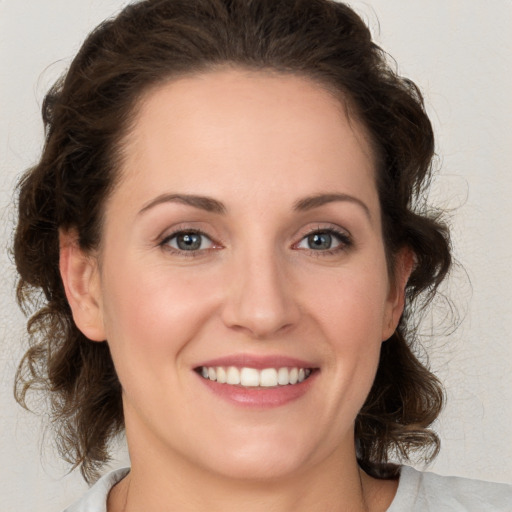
[(404, 265), (80, 275)]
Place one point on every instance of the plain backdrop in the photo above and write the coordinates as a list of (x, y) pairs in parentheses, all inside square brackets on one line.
[(459, 53)]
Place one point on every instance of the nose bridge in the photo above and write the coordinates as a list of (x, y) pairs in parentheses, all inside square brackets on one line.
[(260, 299)]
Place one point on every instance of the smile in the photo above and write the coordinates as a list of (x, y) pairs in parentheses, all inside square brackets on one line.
[(252, 377)]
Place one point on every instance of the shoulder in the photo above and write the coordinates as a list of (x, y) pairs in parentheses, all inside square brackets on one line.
[(428, 492), (95, 499)]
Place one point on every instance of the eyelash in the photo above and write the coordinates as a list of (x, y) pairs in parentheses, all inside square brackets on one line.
[(343, 238), (164, 244)]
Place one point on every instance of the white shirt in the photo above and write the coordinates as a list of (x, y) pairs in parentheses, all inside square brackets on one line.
[(417, 492)]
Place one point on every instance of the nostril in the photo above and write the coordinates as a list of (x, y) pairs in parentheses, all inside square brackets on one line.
[(261, 331)]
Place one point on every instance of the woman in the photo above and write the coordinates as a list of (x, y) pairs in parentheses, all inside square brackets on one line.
[(222, 224)]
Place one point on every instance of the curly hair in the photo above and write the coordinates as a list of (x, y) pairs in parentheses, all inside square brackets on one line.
[(88, 112)]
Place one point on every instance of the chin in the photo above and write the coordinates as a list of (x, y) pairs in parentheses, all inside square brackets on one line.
[(263, 458)]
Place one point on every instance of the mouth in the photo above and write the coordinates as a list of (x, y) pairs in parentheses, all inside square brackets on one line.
[(248, 377)]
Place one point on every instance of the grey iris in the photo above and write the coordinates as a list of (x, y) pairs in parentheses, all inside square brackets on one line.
[(189, 241), (320, 241)]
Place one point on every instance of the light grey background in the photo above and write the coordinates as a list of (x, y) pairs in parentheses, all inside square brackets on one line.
[(459, 52)]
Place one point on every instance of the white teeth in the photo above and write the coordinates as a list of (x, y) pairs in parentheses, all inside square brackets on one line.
[(268, 377), (283, 376), (233, 376), (221, 375), (251, 377)]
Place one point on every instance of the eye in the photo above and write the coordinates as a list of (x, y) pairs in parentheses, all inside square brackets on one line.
[(324, 240), (188, 241)]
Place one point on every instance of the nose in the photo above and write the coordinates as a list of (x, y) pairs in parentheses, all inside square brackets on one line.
[(260, 298)]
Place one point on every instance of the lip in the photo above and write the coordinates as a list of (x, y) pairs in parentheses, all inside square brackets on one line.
[(258, 362), (260, 397)]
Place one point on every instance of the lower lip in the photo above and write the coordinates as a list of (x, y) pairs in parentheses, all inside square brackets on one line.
[(260, 397)]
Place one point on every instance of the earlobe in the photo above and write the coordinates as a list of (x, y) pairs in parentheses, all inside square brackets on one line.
[(404, 265), (80, 275)]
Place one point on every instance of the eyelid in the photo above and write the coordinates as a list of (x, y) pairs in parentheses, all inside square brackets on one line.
[(163, 240), (173, 236), (342, 235), (185, 227)]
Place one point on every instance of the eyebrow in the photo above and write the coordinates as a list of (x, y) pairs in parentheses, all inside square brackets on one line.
[(309, 203), (202, 202), (212, 205)]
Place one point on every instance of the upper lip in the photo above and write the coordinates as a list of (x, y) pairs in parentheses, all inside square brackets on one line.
[(257, 362)]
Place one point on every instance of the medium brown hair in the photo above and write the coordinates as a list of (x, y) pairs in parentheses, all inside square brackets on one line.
[(88, 112)]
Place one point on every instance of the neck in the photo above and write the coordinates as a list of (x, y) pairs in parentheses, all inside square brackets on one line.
[(163, 480)]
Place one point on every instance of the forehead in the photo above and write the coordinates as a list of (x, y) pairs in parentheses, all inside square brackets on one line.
[(282, 130)]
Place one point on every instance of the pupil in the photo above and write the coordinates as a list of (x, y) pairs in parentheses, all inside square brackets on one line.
[(189, 241), (320, 241)]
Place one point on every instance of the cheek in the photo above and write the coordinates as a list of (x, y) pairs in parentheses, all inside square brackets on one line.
[(352, 314), (352, 305), (151, 313)]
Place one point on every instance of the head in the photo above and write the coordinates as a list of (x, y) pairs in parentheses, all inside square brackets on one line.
[(93, 118)]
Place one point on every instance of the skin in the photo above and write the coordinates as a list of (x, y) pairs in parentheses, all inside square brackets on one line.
[(258, 143)]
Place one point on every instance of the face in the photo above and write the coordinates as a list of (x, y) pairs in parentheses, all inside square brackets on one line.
[(242, 283)]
